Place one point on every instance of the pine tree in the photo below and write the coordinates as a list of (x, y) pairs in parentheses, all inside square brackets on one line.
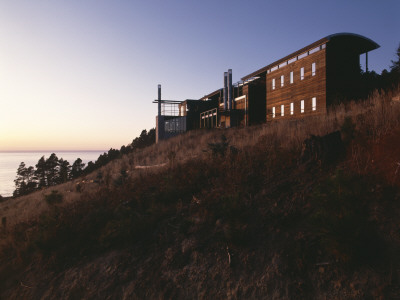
[(41, 172), (77, 168), (52, 169), (25, 182), (65, 171), (395, 68)]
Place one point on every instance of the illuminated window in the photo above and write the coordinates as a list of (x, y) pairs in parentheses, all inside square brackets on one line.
[(282, 110), (313, 50), (302, 73), (291, 108), (282, 80), (273, 112), (291, 77), (313, 69), (302, 55), (273, 83), (314, 103), (302, 106)]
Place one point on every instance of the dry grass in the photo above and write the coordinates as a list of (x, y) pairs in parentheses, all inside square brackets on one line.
[(374, 117), (188, 205)]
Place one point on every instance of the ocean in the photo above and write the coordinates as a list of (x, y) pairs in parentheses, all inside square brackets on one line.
[(10, 161)]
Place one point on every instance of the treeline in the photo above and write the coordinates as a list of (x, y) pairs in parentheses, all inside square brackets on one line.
[(145, 139), (53, 171), (48, 172)]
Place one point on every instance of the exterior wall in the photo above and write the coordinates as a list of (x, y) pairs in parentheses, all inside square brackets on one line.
[(167, 127), (256, 101), (242, 105), (306, 89)]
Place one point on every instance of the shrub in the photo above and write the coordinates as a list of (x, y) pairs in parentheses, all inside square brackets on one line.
[(219, 148), (54, 197)]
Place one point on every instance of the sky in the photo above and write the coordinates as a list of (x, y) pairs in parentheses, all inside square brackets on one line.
[(82, 75)]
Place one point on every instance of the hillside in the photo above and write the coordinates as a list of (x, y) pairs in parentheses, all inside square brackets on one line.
[(238, 214)]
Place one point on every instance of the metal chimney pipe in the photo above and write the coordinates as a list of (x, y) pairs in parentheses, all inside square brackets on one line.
[(230, 90), (225, 91), (159, 99)]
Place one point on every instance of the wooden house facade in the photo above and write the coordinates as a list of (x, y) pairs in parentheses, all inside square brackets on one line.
[(307, 81), (304, 83)]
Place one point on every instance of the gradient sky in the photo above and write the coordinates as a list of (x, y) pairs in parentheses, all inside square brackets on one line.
[(81, 74)]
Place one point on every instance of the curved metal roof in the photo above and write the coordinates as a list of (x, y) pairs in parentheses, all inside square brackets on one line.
[(365, 44)]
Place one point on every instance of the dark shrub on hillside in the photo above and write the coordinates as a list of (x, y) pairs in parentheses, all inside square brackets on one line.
[(54, 197)]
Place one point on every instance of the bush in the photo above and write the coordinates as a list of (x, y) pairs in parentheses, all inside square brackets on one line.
[(54, 197)]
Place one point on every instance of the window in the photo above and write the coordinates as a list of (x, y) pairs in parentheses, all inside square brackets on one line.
[(291, 77), (273, 83), (273, 112), (291, 108), (314, 103), (302, 55), (302, 73), (282, 80), (282, 110), (302, 106), (313, 69), (313, 50)]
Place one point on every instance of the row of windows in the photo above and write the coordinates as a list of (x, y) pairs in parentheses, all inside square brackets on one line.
[(292, 109), (313, 72), (296, 58)]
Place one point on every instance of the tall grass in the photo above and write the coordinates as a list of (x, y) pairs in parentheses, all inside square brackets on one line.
[(373, 118)]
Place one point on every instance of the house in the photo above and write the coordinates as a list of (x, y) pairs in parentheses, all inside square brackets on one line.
[(311, 79), (304, 83)]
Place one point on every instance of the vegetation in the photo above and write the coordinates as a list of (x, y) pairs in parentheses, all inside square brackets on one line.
[(222, 214), (53, 171)]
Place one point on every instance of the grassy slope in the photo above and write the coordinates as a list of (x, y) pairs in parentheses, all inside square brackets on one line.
[(254, 223)]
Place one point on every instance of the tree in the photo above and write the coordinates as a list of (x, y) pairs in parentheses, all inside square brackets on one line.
[(145, 139), (25, 182), (52, 166), (41, 172), (77, 168), (64, 171), (395, 67)]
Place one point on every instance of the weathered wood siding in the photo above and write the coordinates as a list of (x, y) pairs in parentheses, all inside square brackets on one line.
[(306, 89)]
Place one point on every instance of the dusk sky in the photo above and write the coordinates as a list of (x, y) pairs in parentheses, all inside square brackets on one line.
[(81, 75)]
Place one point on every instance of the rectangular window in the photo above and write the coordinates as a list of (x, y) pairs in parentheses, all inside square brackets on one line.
[(273, 112), (273, 83), (291, 77), (313, 50), (302, 55), (302, 106), (282, 81), (302, 73), (314, 103), (282, 65), (282, 110), (291, 108), (313, 69)]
